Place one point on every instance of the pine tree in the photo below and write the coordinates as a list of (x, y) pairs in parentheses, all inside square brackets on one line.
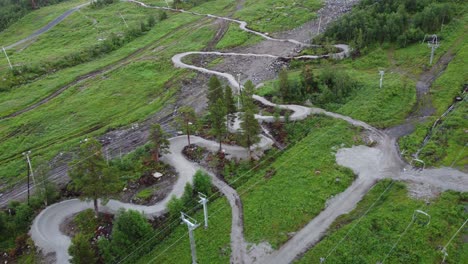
[(283, 84), (187, 120), (217, 118), (159, 142), (215, 91), (250, 126), (230, 105), (308, 80), (90, 174)]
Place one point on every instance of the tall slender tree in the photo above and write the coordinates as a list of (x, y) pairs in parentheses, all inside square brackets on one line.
[(90, 174), (217, 118), (215, 91), (250, 126), (230, 106), (283, 84), (187, 120), (159, 142)]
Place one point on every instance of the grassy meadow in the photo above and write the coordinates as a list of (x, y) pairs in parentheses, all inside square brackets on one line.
[(369, 238)]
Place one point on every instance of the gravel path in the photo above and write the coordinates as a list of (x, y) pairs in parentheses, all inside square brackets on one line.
[(45, 230), (370, 164)]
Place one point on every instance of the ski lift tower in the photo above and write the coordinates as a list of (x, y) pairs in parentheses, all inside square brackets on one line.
[(433, 44)]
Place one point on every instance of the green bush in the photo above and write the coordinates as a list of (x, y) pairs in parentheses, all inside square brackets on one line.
[(130, 233), (81, 251), (202, 183), (86, 222)]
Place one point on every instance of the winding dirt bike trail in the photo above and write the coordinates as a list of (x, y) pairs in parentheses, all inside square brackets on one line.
[(45, 229), (370, 164)]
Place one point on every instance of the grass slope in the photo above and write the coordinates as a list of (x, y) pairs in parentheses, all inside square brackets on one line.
[(372, 238), (115, 99), (213, 244), (277, 15), (35, 20), (305, 176), (272, 206)]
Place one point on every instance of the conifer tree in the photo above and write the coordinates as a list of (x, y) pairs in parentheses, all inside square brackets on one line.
[(159, 142), (217, 118), (90, 174), (187, 120), (230, 105), (250, 126)]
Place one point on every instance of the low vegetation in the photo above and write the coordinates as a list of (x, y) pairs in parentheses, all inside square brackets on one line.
[(26, 73), (273, 15), (16, 220), (11, 11), (368, 238)]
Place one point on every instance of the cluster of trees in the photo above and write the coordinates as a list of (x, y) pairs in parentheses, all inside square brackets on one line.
[(132, 235), (130, 232), (22, 74), (222, 109), (401, 21), (11, 11), (95, 178), (201, 184), (332, 87)]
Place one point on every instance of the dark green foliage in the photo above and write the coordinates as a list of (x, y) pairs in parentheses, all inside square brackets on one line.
[(187, 120), (202, 183), (14, 223), (151, 21), (48, 192), (308, 80), (81, 251), (402, 21), (177, 4), (159, 142), (331, 89), (215, 91), (11, 11), (283, 84), (175, 206), (217, 109), (218, 120), (335, 87), (187, 197), (101, 3), (91, 176), (129, 233), (86, 222), (162, 15), (143, 27), (250, 126), (230, 104), (291, 91)]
